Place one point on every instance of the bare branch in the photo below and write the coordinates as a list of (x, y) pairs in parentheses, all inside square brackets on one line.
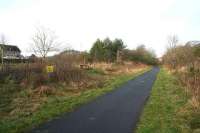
[(3, 39), (172, 41), (44, 41)]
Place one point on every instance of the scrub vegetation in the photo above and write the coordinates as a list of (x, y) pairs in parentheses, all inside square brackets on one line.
[(174, 105), (44, 87), (23, 108), (169, 109)]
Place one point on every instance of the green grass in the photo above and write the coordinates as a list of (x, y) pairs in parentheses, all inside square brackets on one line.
[(162, 112), (56, 105)]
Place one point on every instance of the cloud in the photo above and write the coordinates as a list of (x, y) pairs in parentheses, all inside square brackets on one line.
[(79, 22)]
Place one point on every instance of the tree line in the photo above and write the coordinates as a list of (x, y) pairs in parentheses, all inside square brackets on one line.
[(45, 41), (184, 61), (178, 56), (107, 50)]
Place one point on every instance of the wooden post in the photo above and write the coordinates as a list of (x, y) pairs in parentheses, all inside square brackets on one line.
[(119, 56), (2, 58)]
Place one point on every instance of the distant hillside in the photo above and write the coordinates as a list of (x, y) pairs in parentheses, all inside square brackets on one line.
[(71, 52), (193, 43)]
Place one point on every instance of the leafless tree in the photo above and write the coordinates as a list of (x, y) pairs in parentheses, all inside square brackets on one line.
[(172, 41), (3, 39), (44, 41), (170, 55)]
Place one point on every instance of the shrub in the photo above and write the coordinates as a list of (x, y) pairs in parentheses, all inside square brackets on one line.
[(66, 69), (185, 61)]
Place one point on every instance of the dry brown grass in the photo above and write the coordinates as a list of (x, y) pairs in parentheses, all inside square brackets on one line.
[(113, 68), (189, 113), (67, 80), (190, 79)]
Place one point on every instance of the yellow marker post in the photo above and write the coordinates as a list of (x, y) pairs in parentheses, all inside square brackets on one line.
[(50, 69)]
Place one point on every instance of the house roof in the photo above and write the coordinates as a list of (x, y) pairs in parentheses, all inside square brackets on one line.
[(10, 47), (70, 52), (193, 43)]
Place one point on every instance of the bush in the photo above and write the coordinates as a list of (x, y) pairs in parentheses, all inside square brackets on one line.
[(66, 69), (19, 72), (140, 54)]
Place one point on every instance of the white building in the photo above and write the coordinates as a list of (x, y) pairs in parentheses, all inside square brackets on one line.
[(10, 51)]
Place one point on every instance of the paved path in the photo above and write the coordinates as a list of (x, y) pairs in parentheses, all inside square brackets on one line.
[(115, 112)]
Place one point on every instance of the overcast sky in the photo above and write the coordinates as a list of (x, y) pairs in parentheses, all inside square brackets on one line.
[(79, 23)]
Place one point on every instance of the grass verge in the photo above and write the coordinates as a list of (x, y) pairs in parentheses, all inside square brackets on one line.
[(56, 105), (167, 109)]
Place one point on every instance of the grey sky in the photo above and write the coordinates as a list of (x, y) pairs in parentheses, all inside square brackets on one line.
[(80, 22)]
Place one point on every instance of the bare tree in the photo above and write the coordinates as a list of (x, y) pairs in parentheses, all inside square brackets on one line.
[(171, 56), (172, 41), (3, 41), (44, 41)]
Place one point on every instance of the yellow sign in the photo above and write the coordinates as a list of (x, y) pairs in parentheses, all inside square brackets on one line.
[(49, 69)]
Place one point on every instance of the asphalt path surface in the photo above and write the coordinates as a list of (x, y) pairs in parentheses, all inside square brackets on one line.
[(114, 112)]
